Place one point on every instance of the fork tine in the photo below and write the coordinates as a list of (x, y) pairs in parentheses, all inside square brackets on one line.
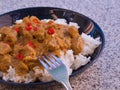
[(44, 64), (57, 59), (55, 66), (53, 61), (50, 64)]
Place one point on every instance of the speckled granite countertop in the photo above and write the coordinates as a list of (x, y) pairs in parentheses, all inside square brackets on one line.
[(105, 73)]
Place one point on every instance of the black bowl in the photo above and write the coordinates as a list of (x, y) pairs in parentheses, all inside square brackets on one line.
[(9, 18)]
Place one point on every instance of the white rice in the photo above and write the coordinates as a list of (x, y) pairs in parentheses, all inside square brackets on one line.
[(19, 21), (42, 75), (90, 44), (71, 61), (12, 76), (63, 22)]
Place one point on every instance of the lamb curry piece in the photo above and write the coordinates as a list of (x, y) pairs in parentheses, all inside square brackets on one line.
[(21, 43)]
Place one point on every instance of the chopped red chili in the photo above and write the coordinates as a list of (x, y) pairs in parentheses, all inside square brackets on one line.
[(30, 43), (28, 24), (17, 29), (36, 21), (51, 31), (34, 46), (20, 56), (29, 27), (35, 28), (7, 43)]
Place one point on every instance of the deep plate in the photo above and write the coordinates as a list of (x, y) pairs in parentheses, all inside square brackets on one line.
[(45, 13)]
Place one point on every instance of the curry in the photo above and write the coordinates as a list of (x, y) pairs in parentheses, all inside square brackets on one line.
[(21, 43)]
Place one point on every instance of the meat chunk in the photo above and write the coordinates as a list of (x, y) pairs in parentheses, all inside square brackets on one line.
[(28, 51), (31, 62), (26, 35), (73, 31), (21, 68), (64, 43), (5, 61), (8, 35), (56, 53), (26, 20), (77, 45), (4, 48), (39, 34), (16, 49), (52, 44), (60, 42), (67, 42)]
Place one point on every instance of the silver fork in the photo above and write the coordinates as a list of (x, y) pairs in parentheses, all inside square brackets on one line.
[(56, 68)]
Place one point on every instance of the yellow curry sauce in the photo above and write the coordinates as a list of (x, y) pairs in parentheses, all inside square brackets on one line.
[(21, 43)]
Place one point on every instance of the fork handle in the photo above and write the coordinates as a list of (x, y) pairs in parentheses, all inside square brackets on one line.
[(67, 84)]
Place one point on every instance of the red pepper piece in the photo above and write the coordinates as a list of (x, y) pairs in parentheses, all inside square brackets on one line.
[(35, 28), (29, 27), (30, 43), (7, 43), (34, 46), (51, 31), (17, 29), (20, 56), (36, 21)]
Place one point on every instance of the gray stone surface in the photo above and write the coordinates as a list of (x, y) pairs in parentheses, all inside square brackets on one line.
[(105, 73)]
